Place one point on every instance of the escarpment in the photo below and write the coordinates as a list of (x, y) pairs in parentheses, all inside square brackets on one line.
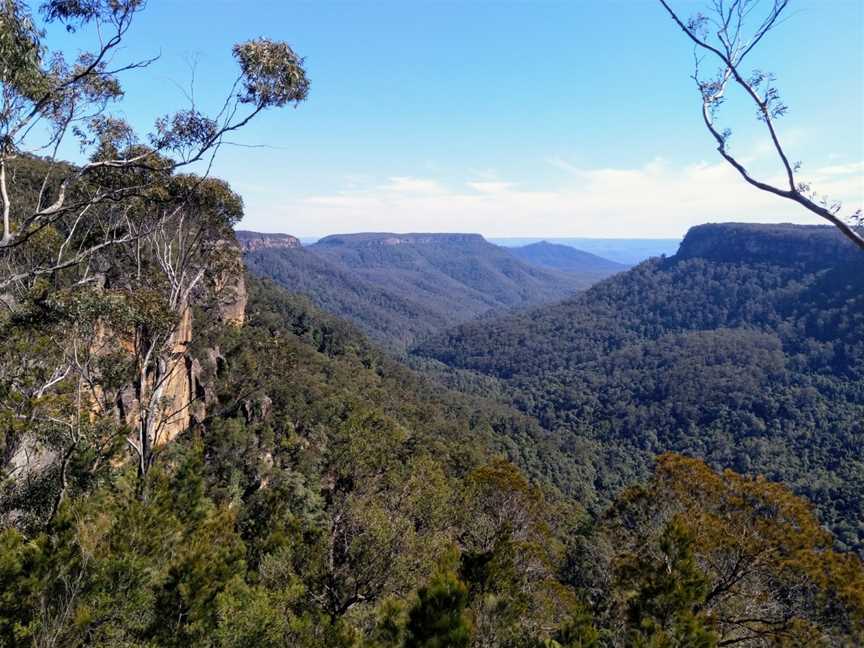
[(252, 241), (185, 391), (164, 399)]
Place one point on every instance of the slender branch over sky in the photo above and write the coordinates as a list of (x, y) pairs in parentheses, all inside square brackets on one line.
[(724, 35)]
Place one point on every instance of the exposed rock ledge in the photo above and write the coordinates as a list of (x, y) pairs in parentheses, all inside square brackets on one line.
[(185, 394), (251, 241)]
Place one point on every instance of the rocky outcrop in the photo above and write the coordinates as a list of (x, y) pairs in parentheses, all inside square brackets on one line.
[(178, 405), (175, 392), (230, 287), (811, 246), (30, 459), (232, 301), (184, 393), (252, 241)]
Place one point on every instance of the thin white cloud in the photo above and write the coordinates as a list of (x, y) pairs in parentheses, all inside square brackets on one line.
[(654, 200), (488, 187), (406, 184), (856, 168)]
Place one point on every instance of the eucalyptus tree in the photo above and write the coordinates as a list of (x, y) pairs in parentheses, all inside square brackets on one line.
[(47, 99), (726, 35), (130, 228)]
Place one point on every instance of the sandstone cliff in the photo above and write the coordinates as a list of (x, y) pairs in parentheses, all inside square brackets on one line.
[(183, 390), (252, 241)]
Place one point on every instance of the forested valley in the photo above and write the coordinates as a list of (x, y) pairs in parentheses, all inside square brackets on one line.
[(400, 288), (744, 349), (193, 455)]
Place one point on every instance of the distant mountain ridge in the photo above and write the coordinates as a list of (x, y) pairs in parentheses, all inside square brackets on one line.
[(628, 251), (555, 256), (387, 318), (384, 238), (446, 266), (401, 287)]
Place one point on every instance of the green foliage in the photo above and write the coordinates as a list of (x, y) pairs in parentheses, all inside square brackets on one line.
[(580, 631), (19, 587), (333, 497), (438, 619), (112, 570), (665, 591), (273, 74), (20, 49), (706, 558), (253, 615)]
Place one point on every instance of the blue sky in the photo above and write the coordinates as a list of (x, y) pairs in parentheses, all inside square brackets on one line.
[(512, 119)]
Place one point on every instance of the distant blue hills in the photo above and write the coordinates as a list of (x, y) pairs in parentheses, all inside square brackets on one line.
[(626, 251)]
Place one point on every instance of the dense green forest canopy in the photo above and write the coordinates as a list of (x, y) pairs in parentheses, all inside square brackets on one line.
[(746, 348), (332, 498)]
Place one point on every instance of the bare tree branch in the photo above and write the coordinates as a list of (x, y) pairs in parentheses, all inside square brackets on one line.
[(732, 47)]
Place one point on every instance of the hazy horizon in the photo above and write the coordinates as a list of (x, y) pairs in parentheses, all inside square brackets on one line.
[(628, 251)]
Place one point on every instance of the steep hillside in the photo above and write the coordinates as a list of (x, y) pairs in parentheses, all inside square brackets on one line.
[(321, 359), (401, 287), (390, 319), (567, 259), (746, 348), (457, 272), (811, 247), (302, 488)]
